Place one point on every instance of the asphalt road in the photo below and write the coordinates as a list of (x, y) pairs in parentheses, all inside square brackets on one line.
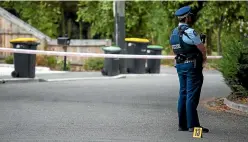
[(122, 110)]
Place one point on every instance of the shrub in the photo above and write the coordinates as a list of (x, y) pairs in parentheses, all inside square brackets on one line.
[(167, 62), (48, 61), (51, 61), (94, 64), (212, 64), (41, 60), (9, 59), (61, 65), (234, 66)]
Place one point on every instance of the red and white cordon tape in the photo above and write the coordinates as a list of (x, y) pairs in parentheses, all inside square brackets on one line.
[(97, 55)]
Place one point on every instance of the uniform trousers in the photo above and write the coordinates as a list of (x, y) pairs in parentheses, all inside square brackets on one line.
[(191, 80)]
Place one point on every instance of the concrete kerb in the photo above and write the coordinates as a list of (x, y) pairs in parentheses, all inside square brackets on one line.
[(120, 76), (147, 75), (26, 80), (236, 106), (19, 80), (85, 78)]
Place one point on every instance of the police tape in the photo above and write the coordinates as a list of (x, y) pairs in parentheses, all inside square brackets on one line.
[(97, 55)]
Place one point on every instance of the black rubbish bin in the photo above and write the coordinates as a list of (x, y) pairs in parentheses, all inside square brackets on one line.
[(111, 65), (153, 65), (24, 64), (136, 46)]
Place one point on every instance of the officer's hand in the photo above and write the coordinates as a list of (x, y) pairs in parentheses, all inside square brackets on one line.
[(202, 48)]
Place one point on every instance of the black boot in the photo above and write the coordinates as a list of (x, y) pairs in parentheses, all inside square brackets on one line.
[(182, 129)]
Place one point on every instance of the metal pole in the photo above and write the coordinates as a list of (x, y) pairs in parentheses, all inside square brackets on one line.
[(119, 14), (65, 49)]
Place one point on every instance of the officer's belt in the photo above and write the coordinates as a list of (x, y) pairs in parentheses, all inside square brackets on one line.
[(180, 58), (185, 61)]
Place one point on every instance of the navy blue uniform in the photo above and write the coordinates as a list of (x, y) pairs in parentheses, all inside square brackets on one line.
[(189, 65)]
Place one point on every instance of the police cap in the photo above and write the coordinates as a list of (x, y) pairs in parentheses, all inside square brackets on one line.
[(183, 12)]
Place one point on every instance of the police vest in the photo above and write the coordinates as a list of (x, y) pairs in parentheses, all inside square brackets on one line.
[(179, 46)]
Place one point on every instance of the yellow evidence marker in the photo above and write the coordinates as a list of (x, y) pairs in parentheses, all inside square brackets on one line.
[(197, 132)]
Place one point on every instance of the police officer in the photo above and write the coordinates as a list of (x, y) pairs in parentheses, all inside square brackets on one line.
[(190, 57)]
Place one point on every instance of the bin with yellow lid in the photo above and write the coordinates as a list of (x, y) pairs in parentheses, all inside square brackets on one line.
[(24, 40), (24, 64), (137, 40), (136, 46)]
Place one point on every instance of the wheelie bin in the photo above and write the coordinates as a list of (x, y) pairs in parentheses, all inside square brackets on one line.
[(111, 65), (153, 65), (24, 64), (136, 46)]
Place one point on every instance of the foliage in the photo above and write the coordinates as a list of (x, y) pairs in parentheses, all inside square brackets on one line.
[(212, 64), (145, 19), (99, 15), (51, 61), (9, 59), (222, 17), (234, 66), (41, 60), (61, 65), (94, 64), (167, 62), (227, 12), (48, 61), (40, 14), (153, 20)]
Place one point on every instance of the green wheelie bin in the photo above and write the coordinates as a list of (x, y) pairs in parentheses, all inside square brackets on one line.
[(153, 65), (24, 64), (111, 65), (136, 46)]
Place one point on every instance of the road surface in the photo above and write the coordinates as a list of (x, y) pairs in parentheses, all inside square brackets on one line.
[(121, 110)]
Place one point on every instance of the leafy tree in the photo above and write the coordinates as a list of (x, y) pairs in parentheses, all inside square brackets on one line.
[(221, 17), (99, 15), (144, 19), (40, 14)]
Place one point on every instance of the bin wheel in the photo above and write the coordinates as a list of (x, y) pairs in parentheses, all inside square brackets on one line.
[(128, 70), (103, 72), (148, 70), (14, 74), (3, 81)]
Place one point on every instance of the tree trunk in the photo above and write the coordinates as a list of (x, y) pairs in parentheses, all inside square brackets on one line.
[(219, 36), (209, 41), (63, 18), (89, 33), (69, 25), (63, 23), (218, 40), (80, 30)]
